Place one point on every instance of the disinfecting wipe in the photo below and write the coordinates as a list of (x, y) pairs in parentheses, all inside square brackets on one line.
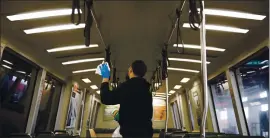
[(98, 71)]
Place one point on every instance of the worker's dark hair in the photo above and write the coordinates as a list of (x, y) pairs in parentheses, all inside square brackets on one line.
[(139, 68)]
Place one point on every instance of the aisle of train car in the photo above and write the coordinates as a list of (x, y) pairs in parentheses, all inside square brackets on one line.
[(48, 85)]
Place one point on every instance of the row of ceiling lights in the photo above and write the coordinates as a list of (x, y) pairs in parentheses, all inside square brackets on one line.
[(63, 12), (94, 87)]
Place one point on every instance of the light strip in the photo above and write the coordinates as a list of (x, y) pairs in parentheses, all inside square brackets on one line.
[(264, 61), (82, 61), (98, 92), (220, 28), (82, 71), (41, 14), (187, 60), (250, 72), (185, 80), (172, 91), (266, 66), (7, 66), (234, 14), (8, 62), (67, 48), (177, 87), (21, 72), (185, 70), (94, 87), (54, 28), (86, 80), (199, 47)]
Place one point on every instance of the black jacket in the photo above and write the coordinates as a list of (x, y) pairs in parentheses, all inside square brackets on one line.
[(136, 109)]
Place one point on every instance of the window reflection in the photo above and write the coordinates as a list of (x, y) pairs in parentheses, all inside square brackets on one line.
[(48, 105), (223, 105), (253, 79), (17, 79)]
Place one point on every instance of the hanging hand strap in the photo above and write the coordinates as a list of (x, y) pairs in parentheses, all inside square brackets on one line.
[(88, 22), (76, 6)]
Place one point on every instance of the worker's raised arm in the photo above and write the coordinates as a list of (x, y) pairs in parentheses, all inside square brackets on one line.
[(111, 97)]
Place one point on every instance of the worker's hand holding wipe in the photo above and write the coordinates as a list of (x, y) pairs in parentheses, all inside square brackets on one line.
[(105, 72), (134, 96)]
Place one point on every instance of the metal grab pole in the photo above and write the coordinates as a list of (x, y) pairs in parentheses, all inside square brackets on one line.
[(203, 73), (97, 26), (167, 106)]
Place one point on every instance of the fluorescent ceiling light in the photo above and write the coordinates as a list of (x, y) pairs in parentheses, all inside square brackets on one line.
[(98, 92), (251, 72), (185, 70), (244, 99), (41, 14), (264, 107), (159, 98), (67, 48), (82, 61), (82, 71), (234, 14), (172, 91), (220, 28), (255, 103), (86, 80), (199, 47), (94, 87), (264, 61), (266, 66), (21, 72), (6, 66), (185, 80), (187, 60), (160, 93), (54, 28), (8, 62), (263, 94), (177, 87)]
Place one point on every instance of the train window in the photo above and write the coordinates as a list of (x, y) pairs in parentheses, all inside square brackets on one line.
[(223, 105), (253, 78), (17, 82), (176, 115), (48, 105)]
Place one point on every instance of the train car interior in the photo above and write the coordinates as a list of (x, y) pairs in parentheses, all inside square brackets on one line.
[(207, 65)]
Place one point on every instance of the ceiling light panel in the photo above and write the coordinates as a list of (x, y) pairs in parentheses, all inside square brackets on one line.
[(86, 80), (220, 28), (187, 60), (184, 70), (54, 28), (82, 61), (185, 80), (199, 47), (172, 91), (41, 14), (67, 48), (98, 92), (7, 66), (177, 87), (233, 14), (94, 87), (7, 62), (83, 71)]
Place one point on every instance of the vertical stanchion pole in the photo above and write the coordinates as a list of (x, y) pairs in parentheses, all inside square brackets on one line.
[(167, 106), (203, 73)]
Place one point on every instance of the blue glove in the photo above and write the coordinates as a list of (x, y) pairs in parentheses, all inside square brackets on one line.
[(105, 72)]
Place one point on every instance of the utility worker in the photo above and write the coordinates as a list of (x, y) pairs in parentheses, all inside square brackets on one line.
[(134, 96)]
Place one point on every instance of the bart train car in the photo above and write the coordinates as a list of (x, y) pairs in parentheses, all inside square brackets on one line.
[(207, 63)]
